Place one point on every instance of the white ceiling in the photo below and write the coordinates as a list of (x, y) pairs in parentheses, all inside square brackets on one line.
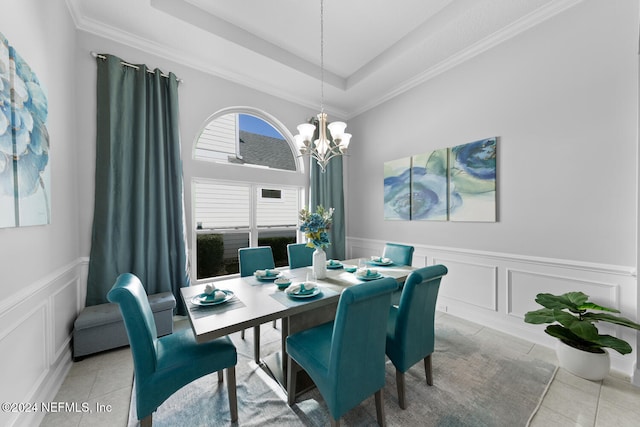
[(373, 49)]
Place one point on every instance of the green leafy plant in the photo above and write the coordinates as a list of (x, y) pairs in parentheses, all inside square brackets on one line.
[(573, 323)]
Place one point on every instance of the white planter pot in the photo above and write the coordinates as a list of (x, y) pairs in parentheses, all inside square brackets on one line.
[(319, 263), (590, 366)]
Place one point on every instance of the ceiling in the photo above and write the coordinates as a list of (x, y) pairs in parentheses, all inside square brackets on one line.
[(373, 49)]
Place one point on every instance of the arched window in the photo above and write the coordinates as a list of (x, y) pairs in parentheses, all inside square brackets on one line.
[(245, 139), (252, 208)]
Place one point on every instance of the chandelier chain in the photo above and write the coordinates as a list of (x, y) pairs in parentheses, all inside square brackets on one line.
[(322, 56)]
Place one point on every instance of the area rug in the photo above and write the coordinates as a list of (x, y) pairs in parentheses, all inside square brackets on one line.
[(476, 382)]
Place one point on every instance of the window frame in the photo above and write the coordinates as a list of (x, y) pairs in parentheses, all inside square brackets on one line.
[(257, 177), (277, 125)]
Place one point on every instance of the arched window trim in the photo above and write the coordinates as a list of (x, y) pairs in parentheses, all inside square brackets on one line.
[(277, 124)]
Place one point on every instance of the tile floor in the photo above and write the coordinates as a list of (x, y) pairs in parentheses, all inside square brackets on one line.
[(105, 379)]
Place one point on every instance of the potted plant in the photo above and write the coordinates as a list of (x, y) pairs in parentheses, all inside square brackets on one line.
[(581, 349)]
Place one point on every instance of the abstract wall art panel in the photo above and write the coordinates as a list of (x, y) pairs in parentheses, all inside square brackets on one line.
[(24, 143), (429, 192), (472, 181), (448, 184), (397, 189)]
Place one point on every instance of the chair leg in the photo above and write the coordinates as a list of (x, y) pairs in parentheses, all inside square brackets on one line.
[(147, 421), (256, 344), (231, 390), (292, 368), (220, 378), (427, 370), (400, 385), (242, 334), (380, 409), (274, 324)]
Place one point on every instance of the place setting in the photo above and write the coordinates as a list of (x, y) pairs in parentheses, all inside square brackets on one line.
[(367, 274), (332, 264), (307, 289), (303, 290), (212, 297), (290, 292), (267, 275), (380, 261), (363, 271)]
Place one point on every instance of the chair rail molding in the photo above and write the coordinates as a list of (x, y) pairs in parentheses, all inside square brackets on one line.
[(496, 289)]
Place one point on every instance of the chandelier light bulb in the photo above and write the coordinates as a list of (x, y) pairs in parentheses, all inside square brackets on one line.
[(337, 129), (306, 131)]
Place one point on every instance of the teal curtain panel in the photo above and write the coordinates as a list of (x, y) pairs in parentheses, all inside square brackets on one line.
[(138, 224)]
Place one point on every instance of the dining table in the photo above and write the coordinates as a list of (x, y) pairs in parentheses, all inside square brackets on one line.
[(251, 301)]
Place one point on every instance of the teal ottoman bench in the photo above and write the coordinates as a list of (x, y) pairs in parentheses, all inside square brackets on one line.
[(100, 327)]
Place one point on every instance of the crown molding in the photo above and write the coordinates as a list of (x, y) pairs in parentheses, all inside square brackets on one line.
[(521, 25), (525, 23)]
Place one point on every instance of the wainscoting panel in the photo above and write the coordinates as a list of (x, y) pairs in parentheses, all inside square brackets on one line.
[(470, 283), (23, 345), (65, 308), (497, 289), (36, 326), (523, 286)]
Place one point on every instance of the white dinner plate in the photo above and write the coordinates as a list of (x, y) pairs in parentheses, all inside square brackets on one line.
[(268, 278), (200, 299), (315, 292), (371, 277), (383, 262)]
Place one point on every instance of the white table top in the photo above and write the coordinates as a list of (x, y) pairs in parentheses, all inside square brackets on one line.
[(257, 302)]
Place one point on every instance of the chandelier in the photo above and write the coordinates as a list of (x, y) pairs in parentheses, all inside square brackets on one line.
[(326, 147)]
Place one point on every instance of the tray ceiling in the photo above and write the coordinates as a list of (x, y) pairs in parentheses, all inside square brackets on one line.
[(373, 49)]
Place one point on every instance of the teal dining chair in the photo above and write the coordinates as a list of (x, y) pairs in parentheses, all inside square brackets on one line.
[(299, 255), (256, 258), (345, 358), (400, 255), (411, 326), (250, 260), (164, 365)]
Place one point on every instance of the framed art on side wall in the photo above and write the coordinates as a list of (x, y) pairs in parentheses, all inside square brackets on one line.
[(24, 143)]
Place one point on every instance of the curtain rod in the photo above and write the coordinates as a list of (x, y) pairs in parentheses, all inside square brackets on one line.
[(126, 64)]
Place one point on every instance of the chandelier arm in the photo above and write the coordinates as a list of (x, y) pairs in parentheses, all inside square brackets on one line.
[(333, 154)]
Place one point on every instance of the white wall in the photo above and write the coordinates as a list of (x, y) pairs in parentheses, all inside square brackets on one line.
[(563, 100), (39, 283)]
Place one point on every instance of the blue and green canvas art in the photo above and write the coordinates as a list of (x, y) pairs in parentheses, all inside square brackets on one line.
[(397, 189), (454, 184), (24, 143), (429, 190), (472, 181)]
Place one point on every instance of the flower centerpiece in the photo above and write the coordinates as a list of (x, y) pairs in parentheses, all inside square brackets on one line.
[(315, 226)]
